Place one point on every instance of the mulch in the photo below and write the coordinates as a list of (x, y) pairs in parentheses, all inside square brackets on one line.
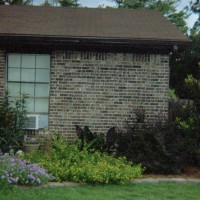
[(190, 172)]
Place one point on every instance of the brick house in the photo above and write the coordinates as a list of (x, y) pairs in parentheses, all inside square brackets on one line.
[(86, 66)]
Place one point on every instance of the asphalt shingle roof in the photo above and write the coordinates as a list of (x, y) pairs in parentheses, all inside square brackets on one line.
[(94, 23)]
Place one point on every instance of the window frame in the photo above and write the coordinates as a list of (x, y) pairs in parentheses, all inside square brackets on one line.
[(35, 83)]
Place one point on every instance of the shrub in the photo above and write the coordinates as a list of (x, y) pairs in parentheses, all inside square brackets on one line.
[(15, 171), (67, 162), (162, 146), (193, 85), (145, 144), (189, 125), (12, 116)]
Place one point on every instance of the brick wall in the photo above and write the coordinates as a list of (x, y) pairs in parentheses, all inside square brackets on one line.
[(100, 89), (2, 74)]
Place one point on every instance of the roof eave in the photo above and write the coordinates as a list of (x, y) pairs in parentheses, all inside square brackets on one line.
[(56, 42)]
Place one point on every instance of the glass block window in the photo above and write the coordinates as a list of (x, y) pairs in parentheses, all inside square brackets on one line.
[(30, 74)]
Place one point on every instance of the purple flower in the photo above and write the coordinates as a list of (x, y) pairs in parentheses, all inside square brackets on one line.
[(38, 180), (12, 160), (3, 177), (5, 172), (30, 176), (15, 171), (14, 180), (12, 166), (41, 171)]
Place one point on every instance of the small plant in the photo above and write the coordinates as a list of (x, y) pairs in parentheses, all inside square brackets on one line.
[(140, 115), (172, 95), (30, 140), (14, 171), (30, 143), (90, 139), (12, 116)]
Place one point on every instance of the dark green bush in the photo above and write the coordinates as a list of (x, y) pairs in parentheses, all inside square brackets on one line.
[(12, 116), (189, 126)]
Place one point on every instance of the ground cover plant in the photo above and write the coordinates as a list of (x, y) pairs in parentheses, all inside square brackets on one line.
[(142, 191), (68, 162), (15, 171)]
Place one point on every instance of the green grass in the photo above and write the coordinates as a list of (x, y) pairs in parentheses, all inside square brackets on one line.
[(146, 191)]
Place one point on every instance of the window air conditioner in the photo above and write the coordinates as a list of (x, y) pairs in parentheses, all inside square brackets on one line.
[(32, 122), (35, 122)]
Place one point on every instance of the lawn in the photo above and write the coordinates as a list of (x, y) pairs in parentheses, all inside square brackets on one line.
[(139, 191)]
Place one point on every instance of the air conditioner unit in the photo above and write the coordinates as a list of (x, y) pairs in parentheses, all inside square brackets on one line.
[(32, 122), (35, 122)]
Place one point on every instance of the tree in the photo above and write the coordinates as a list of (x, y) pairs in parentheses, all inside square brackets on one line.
[(188, 64), (195, 7), (167, 7), (46, 3), (14, 2), (183, 64), (64, 3), (131, 3), (69, 3)]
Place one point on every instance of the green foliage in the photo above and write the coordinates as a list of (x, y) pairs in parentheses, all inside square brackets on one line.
[(14, 2), (189, 125), (131, 3), (69, 3), (195, 7), (67, 162), (172, 95), (12, 117), (184, 64), (184, 129), (64, 3), (194, 86)]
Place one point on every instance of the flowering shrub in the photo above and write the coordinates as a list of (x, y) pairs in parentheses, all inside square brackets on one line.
[(67, 162), (15, 171)]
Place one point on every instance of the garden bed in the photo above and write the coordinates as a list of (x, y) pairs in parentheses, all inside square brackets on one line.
[(190, 172)]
